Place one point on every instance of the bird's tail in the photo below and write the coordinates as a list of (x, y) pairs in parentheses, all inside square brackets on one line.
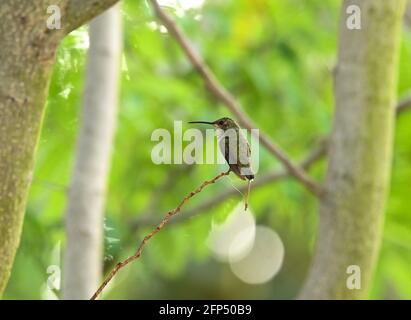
[(247, 197)]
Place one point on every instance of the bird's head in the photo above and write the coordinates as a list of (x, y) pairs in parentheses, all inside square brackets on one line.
[(223, 123)]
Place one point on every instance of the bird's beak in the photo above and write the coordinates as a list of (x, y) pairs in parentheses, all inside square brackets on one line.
[(205, 122)]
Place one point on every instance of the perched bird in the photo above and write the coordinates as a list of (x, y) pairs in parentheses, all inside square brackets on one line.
[(235, 149)]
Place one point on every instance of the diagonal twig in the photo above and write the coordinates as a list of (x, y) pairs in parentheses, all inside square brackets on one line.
[(160, 226), (223, 95)]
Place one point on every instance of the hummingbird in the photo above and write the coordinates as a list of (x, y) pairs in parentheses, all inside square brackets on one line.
[(235, 149)]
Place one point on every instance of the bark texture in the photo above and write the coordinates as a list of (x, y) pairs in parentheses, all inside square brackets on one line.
[(27, 54), (352, 210), (84, 216)]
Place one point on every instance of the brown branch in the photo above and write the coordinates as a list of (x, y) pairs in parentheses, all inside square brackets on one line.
[(222, 94), (160, 226)]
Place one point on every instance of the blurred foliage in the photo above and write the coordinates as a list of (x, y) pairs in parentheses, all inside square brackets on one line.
[(276, 57)]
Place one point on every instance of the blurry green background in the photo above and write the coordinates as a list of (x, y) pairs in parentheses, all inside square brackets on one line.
[(277, 58)]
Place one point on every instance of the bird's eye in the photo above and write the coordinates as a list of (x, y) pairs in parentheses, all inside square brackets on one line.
[(221, 122)]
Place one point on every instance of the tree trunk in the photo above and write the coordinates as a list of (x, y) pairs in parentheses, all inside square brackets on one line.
[(85, 212), (27, 54), (352, 210)]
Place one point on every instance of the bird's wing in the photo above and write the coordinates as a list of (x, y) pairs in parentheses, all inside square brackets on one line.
[(244, 150)]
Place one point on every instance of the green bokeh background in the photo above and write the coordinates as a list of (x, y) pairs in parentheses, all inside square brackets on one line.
[(276, 57)]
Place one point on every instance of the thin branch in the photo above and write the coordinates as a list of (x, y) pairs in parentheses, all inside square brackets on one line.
[(222, 94), (160, 226)]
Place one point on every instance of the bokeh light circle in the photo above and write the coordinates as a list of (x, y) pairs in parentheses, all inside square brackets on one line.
[(263, 261), (234, 238)]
